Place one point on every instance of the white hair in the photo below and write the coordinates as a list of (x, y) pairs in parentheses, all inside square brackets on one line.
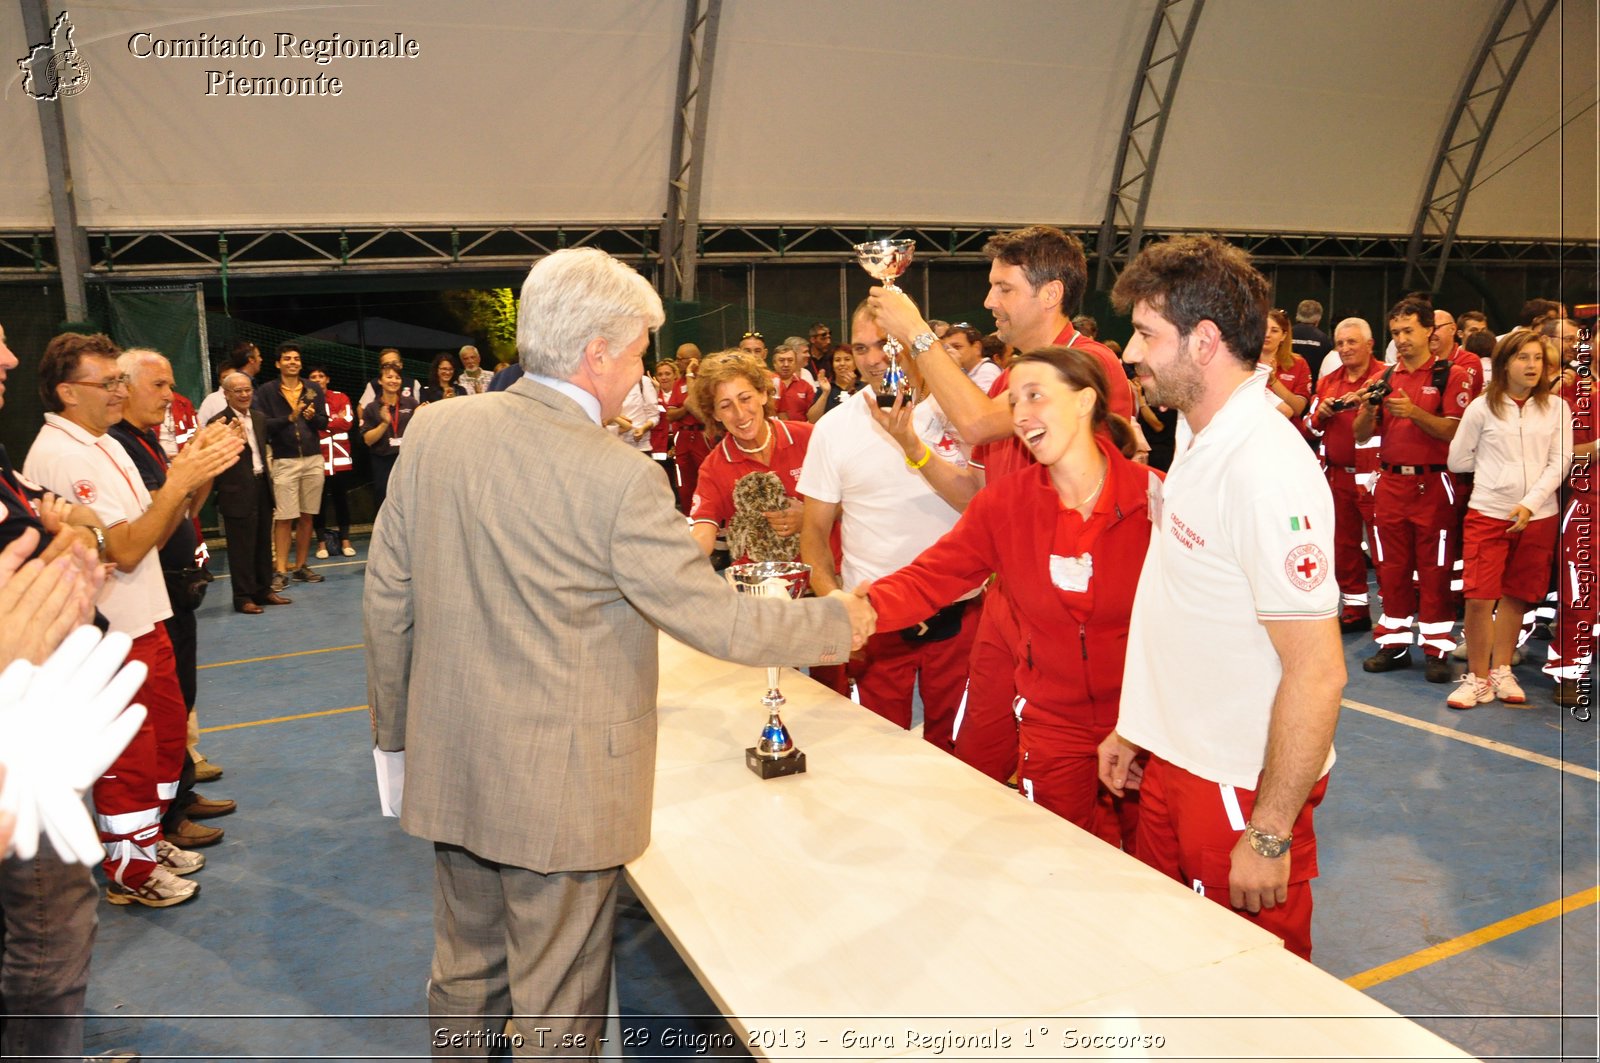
[(132, 361), (1357, 323), (575, 296)]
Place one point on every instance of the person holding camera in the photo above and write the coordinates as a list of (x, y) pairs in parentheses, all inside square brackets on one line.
[(297, 415), (1351, 469)]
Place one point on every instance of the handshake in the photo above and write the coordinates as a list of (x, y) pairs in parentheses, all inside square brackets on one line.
[(863, 618)]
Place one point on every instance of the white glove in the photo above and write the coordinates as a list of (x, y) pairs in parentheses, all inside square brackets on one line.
[(61, 726)]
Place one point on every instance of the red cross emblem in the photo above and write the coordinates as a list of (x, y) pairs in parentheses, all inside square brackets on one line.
[(84, 492), (1306, 566)]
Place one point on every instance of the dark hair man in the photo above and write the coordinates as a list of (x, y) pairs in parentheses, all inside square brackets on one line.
[(1307, 337), (1241, 552), (297, 415), (1416, 525)]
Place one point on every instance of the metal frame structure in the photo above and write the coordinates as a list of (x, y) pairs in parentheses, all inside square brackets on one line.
[(680, 231), (1155, 85), (71, 249), (198, 254), (1487, 83)]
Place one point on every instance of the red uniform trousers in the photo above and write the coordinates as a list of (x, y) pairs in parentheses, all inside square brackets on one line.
[(689, 449), (893, 666), (1352, 516), (1415, 530), (1188, 827), (1571, 652), (133, 794), (1059, 770), (986, 735)]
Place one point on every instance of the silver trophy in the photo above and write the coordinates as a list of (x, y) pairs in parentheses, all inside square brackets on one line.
[(774, 754), (886, 260)]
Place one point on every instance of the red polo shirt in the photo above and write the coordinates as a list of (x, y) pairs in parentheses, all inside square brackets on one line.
[(1404, 443), (795, 398), (1338, 432)]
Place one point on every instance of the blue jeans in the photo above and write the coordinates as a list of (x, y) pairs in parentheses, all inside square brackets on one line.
[(50, 912)]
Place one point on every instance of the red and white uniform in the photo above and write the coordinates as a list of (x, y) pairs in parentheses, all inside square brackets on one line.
[(987, 734), (889, 515), (1351, 469), (1571, 653), (794, 398), (1415, 514), (689, 445), (1243, 526), (1072, 583), (178, 426), (336, 440), (726, 465), (1297, 378), (130, 798)]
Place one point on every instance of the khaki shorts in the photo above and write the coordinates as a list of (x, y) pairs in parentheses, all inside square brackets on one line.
[(296, 486)]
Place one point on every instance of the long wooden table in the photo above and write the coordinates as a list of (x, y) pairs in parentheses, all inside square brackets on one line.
[(894, 903)]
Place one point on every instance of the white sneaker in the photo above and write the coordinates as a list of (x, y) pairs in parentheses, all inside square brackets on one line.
[(1471, 693), (1506, 687), (162, 889), (178, 861), (322, 552)]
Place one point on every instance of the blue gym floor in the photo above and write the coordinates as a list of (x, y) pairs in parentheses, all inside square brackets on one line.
[(1459, 868)]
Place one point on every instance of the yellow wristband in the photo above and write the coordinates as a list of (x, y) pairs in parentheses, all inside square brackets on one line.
[(927, 454)]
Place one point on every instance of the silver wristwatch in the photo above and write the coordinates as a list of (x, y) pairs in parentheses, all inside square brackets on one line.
[(1270, 846), (921, 344)]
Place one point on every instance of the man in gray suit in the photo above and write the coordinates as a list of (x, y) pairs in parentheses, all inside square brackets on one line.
[(532, 773)]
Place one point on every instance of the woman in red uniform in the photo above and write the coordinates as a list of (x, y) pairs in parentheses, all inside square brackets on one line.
[(337, 466), (1290, 382), (1067, 537)]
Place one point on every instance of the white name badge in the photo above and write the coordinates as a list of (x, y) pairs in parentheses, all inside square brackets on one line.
[(395, 441), (1153, 500), (1072, 573)]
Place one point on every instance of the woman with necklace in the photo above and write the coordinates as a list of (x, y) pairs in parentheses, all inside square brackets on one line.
[(383, 427), (1068, 537), (441, 380)]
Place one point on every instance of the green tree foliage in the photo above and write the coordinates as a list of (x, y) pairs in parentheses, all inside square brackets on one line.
[(489, 314)]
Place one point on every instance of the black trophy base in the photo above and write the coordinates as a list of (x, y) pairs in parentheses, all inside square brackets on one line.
[(768, 768)]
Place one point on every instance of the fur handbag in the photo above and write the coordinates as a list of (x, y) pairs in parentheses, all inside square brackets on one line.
[(749, 534)]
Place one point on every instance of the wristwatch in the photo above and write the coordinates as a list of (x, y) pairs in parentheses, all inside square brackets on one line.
[(921, 344), (1270, 846), (99, 540)]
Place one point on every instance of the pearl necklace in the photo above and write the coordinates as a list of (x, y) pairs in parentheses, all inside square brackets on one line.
[(758, 450)]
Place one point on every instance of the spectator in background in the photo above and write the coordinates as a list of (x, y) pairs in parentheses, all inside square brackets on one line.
[(383, 428), (835, 387), (1160, 427), (801, 348), (640, 411), (965, 345), (410, 389), (666, 375), (795, 396), (244, 358), (1470, 322), (337, 468), (296, 416), (1310, 342), (689, 446), (1087, 325), (474, 378), (754, 344), (1444, 347), (1288, 377), (243, 493), (441, 383), (998, 350), (820, 350)]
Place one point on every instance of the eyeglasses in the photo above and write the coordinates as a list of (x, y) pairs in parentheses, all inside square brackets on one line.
[(108, 386)]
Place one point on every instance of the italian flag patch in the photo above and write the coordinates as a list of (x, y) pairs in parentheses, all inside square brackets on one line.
[(1299, 523)]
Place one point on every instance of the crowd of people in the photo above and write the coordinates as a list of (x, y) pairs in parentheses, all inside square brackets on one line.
[(1023, 529)]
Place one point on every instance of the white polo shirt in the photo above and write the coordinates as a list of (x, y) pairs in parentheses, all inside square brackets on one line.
[(96, 472), (1242, 535), (890, 514)]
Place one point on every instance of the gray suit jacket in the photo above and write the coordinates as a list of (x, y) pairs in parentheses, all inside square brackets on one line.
[(511, 628)]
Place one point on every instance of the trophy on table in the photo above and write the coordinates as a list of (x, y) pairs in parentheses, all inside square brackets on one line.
[(774, 754), (886, 260)]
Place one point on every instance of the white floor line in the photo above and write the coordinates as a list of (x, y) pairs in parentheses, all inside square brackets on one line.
[(1473, 740)]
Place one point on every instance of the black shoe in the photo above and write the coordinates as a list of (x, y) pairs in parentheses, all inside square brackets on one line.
[(1354, 623), (1438, 670), (1388, 660), (1542, 632), (303, 574)]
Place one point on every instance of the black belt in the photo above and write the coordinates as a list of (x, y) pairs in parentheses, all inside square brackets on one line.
[(1415, 470), (1346, 468)]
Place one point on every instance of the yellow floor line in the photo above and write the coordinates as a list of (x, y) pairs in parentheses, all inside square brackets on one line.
[(1483, 743), (1482, 936), (281, 719), (281, 656)]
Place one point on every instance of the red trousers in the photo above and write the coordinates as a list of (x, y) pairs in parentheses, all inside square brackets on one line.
[(689, 449), (986, 737), (1572, 650), (1415, 531), (1059, 770), (130, 798), (894, 666), (1188, 827), (1352, 516)]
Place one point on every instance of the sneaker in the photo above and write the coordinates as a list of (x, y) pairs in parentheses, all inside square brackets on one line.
[(322, 553), (280, 581), (1471, 693), (1438, 670), (178, 861), (162, 889), (1506, 687), (1388, 660), (348, 551), (305, 575)]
